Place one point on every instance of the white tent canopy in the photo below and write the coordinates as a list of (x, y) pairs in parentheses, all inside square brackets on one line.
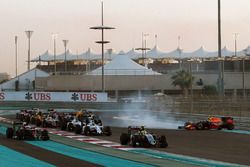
[(154, 53), (46, 56), (123, 65), (177, 53), (69, 56), (133, 54), (224, 53), (201, 53), (245, 51)]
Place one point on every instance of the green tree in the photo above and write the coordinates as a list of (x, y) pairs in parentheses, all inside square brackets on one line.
[(5, 80), (183, 79), (210, 90)]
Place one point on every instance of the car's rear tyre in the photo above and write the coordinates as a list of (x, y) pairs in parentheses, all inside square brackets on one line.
[(163, 142), (134, 141), (70, 127), (124, 139), (230, 127), (63, 125), (44, 135), (78, 129), (86, 130), (20, 135), (9, 132), (107, 130)]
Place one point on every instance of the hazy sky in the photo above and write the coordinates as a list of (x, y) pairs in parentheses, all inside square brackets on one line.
[(194, 20)]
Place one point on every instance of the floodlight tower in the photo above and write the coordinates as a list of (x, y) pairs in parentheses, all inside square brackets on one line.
[(65, 42), (54, 36), (16, 52), (29, 34), (144, 47), (220, 62), (235, 43), (179, 51), (102, 42)]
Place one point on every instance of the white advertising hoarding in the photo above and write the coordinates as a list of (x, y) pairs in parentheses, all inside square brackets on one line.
[(54, 96)]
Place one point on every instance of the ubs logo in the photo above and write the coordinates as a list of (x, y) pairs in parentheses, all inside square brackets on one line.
[(38, 96), (75, 96), (28, 96)]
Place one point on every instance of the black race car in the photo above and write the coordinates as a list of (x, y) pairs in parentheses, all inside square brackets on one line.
[(25, 132), (138, 136)]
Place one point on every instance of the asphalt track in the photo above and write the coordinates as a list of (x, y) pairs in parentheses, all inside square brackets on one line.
[(47, 156), (90, 156), (215, 145), (83, 151)]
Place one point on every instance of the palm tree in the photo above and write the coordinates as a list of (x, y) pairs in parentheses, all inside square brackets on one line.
[(183, 79)]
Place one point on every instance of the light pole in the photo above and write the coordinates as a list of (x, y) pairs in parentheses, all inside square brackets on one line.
[(235, 44), (191, 79), (29, 34), (16, 53), (143, 48), (243, 77), (191, 83), (145, 41), (88, 60), (156, 39), (179, 51), (65, 42), (102, 42), (54, 36), (220, 63)]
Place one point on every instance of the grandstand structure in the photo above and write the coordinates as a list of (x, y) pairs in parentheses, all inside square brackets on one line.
[(156, 59), (150, 72), (128, 73)]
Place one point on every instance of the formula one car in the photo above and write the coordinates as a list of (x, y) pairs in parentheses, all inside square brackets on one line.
[(91, 128), (138, 136), (71, 126), (211, 123), (25, 115), (68, 121), (25, 132), (52, 120), (84, 122)]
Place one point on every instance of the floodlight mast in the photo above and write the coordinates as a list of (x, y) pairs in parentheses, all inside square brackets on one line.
[(144, 47), (29, 34), (102, 42), (220, 62), (54, 36), (16, 38), (65, 42)]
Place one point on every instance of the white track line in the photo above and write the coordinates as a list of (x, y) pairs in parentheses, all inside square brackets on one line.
[(91, 140)]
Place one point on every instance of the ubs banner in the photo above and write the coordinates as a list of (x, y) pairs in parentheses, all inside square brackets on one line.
[(54, 96)]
